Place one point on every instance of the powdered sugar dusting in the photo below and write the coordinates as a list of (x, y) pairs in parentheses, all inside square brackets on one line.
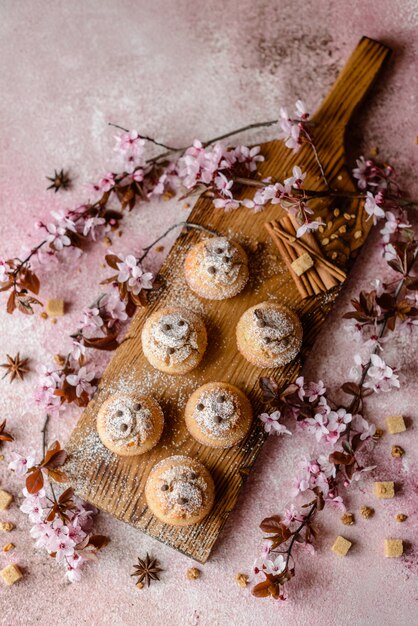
[(181, 490), (127, 420), (217, 412), (173, 337)]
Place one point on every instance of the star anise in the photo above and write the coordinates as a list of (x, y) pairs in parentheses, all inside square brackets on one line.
[(3, 435), (16, 367), (147, 570), (60, 180)]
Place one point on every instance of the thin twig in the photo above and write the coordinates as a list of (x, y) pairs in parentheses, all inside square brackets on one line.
[(297, 531), (150, 139), (184, 225), (44, 433)]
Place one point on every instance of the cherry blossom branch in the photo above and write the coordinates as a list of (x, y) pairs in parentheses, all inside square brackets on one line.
[(190, 225), (150, 139)]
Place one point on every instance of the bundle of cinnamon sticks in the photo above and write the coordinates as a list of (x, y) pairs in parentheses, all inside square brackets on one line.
[(312, 272)]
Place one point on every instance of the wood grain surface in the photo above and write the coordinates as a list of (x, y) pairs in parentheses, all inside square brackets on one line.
[(116, 484)]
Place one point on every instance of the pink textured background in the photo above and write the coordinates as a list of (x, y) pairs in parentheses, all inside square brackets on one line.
[(177, 70)]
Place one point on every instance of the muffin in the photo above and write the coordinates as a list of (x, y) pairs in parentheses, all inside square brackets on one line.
[(218, 415), (180, 491), (269, 335), (129, 424), (216, 269), (174, 340)]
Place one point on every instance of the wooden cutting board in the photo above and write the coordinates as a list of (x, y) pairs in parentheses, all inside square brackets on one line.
[(116, 484)]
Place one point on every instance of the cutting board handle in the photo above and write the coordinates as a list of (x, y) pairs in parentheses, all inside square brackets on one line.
[(352, 85)]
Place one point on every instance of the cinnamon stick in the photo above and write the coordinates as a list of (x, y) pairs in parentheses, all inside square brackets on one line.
[(303, 286), (327, 278), (333, 270), (312, 274)]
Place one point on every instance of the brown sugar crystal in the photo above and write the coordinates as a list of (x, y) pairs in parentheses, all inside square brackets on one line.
[(193, 573), (54, 307), (384, 490), (393, 548), (341, 546), (395, 424), (11, 574)]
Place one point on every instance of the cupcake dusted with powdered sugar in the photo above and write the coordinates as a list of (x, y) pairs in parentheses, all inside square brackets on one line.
[(130, 425), (180, 491), (269, 335), (174, 340), (218, 415), (216, 269)]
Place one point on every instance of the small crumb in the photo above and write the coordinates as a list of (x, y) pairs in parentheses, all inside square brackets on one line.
[(107, 242), (348, 519), (159, 249), (167, 195), (193, 573), (397, 451), (393, 548), (44, 315), (59, 359), (1, 457), (186, 205), (242, 580), (342, 229), (54, 320), (367, 512), (341, 546), (119, 233), (11, 574), (8, 547), (55, 307), (384, 490), (395, 424), (401, 517), (374, 151), (6, 527), (379, 433), (139, 585), (358, 234), (6, 499)]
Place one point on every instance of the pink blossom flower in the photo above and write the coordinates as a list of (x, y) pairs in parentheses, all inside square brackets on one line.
[(4, 270), (308, 226), (114, 307), (393, 224), (275, 567), (272, 424), (33, 506), (358, 474), (57, 236), (20, 464), (291, 514), (381, 377), (372, 206), (300, 383), (250, 156), (223, 185), (81, 380), (92, 319), (131, 271), (291, 128), (315, 390), (363, 427), (105, 184), (227, 204), (93, 227), (297, 178)]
